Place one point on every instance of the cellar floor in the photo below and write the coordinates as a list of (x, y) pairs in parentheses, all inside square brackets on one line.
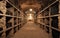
[(31, 30)]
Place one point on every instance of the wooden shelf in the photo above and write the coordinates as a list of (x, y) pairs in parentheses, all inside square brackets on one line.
[(50, 16), (49, 21), (50, 27), (8, 16), (1, 14), (9, 19), (9, 28)]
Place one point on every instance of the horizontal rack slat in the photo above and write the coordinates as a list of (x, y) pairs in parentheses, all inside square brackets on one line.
[(50, 27), (50, 16)]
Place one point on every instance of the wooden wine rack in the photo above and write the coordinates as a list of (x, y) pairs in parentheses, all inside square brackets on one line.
[(10, 19), (49, 19)]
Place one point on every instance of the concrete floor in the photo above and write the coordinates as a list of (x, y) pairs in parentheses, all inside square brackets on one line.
[(31, 30)]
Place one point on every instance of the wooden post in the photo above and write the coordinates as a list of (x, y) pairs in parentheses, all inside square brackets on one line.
[(4, 19), (59, 16), (50, 30)]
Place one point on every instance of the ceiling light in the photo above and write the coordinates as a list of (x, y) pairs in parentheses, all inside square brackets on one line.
[(30, 9)]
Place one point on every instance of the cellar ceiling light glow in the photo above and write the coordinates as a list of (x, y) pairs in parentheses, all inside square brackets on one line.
[(30, 9)]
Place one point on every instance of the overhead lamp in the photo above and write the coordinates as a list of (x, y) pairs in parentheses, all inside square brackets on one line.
[(30, 9)]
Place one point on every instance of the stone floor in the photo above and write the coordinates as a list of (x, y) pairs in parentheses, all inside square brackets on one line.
[(31, 30)]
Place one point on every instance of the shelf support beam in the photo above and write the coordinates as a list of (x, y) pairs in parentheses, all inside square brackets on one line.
[(48, 6)]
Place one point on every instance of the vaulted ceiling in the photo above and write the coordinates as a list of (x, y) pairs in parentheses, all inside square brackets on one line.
[(37, 5)]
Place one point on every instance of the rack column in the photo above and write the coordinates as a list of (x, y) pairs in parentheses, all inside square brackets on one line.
[(4, 28), (59, 15), (59, 18), (50, 30), (4, 19)]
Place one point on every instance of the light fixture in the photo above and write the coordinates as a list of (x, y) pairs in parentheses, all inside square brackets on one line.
[(30, 9)]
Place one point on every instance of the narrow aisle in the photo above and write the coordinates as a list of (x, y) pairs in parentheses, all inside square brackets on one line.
[(31, 30)]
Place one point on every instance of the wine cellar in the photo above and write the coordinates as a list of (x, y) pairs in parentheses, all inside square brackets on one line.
[(13, 18)]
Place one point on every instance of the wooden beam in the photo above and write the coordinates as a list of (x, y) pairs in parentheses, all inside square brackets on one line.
[(48, 6), (13, 5)]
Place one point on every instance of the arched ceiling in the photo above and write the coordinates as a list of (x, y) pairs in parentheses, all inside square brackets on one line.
[(27, 4), (37, 5)]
